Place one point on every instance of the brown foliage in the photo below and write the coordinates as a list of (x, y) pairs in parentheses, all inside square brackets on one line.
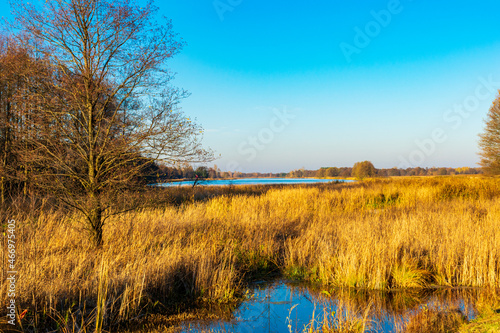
[(363, 169)]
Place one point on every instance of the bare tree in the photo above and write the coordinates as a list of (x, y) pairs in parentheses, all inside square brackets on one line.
[(490, 140), (111, 110)]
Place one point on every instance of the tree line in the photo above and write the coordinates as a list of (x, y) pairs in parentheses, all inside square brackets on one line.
[(326, 172), (163, 173)]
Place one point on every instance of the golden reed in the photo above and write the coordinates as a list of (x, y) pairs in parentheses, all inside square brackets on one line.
[(376, 234)]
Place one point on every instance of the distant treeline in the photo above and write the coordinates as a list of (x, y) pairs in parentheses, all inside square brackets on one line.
[(164, 173), (418, 171)]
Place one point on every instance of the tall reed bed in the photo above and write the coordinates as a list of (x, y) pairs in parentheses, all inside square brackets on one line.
[(376, 234)]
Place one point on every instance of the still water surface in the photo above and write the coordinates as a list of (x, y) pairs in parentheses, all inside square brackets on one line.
[(285, 307), (256, 181)]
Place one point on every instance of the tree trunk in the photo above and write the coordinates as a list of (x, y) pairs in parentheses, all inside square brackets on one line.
[(25, 185), (95, 219), (2, 189)]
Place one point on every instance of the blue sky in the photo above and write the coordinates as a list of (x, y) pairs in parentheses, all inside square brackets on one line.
[(280, 85)]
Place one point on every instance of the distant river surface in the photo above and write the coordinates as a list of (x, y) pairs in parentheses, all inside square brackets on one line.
[(255, 181)]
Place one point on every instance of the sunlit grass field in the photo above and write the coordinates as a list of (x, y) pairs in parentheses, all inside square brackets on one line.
[(376, 234)]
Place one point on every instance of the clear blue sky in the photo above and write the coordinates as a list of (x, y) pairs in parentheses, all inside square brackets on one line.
[(399, 83)]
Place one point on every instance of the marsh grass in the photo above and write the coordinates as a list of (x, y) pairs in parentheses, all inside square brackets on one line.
[(435, 321), (342, 319), (205, 245), (488, 320), (405, 310)]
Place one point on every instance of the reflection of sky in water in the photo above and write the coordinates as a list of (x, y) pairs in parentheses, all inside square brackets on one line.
[(284, 308), (272, 310)]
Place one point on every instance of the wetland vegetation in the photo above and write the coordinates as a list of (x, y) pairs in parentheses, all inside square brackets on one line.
[(201, 247)]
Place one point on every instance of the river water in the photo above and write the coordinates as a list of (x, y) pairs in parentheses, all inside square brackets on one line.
[(255, 181)]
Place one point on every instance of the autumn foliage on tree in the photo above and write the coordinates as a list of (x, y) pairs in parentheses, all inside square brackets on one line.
[(101, 107), (490, 140), (363, 169)]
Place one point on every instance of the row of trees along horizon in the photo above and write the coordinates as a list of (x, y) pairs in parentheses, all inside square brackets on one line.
[(87, 109), (166, 173)]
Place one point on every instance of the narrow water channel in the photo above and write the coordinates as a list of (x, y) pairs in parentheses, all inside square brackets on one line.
[(284, 307)]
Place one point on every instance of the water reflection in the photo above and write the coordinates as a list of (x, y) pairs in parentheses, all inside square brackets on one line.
[(287, 307)]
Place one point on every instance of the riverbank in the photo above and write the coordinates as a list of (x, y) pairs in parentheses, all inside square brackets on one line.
[(382, 234)]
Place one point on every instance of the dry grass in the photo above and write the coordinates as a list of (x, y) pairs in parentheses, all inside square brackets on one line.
[(489, 314), (435, 321), (344, 319), (378, 234)]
